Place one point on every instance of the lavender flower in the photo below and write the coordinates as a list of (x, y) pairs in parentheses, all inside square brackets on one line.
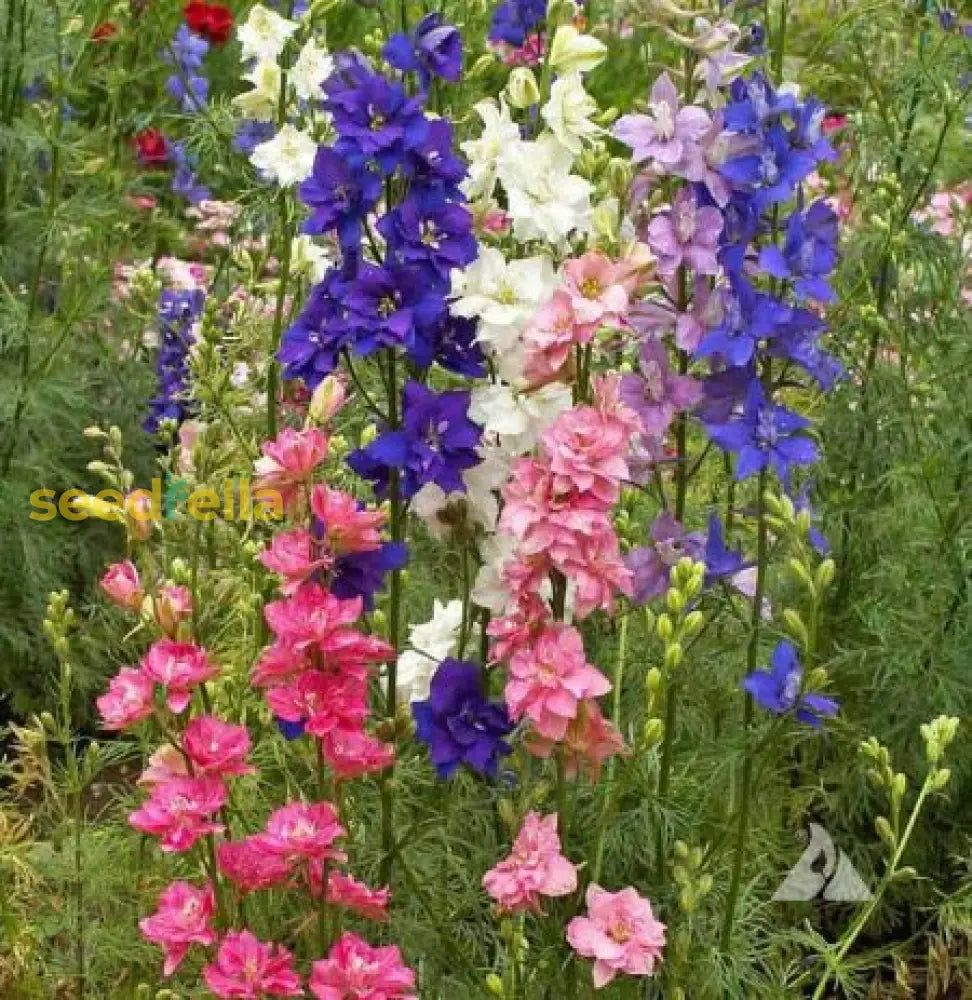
[(686, 233), (657, 394), (651, 565)]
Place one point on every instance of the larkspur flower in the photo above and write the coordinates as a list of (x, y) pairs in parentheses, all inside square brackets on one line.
[(686, 233), (349, 894), (434, 48), (250, 864), (778, 690), (246, 968), (354, 970), (591, 739), (180, 811), (130, 698), (657, 394), (290, 460), (341, 195), (720, 561), (808, 254), (303, 832), (651, 565), (212, 21), (179, 667), (217, 747), (183, 918), (122, 585), (514, 20)]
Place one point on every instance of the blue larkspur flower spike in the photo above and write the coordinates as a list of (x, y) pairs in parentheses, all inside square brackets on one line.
[(177, 311), (777, 690)]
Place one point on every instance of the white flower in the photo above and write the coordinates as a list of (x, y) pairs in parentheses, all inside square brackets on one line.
[(568, 113), (480, 500), (431, 643), (413, 678), (314, 65), (501, 295), (310, 258), (260, 103), (572, 52), (287, 158), (546, 201), (518, 418), (489, 590), (264, 34), (483, 153)]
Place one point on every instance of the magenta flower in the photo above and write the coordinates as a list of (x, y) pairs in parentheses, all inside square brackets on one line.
[(686, 234), (248, 969), (549, 678), (178, 667), (657, 394), (354, 970), (354, 754), (179, 812), (217, 747), (251, 864), (122, 586), (535, 868), (303, 831), (182, 918), (129, 699), (667, 134), (350, 894), (620, 933), (294, 556)]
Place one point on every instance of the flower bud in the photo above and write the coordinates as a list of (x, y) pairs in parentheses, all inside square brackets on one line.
[(941, 779), (572, 52), (481, 66), (692, 624), (94, 433), (681, 849), (884, 831), (899, 784), (817, 679), (825, 574), (674, 656), (795, 626), (368, 434), (653, 681), (494, 985), (800, 571), (604, 220), (521, 88), (675, 601), (652, 732), (328, 399), (664, 627)]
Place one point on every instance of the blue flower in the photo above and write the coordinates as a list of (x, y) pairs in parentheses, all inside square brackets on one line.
[(514, 20), (798, 340), (186, 86), (809, 252), (778, 689), (428, 231), (719, 560), (432, 166), (184, 180), (177, 311), (750, 316), (249, 135), (433, 49), (459, 724), (341, 195), (311, 347), (435, 444), (454, 345), (764, 435), (362, 574)]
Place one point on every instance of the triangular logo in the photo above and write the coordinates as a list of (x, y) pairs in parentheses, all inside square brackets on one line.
[(823, 872)]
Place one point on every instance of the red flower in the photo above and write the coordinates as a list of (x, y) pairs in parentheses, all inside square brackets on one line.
[(151, 148), (102, 32), (213, 21)]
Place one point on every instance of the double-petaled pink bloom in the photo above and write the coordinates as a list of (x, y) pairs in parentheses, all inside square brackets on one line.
[(129, 699), (535, 868), (183, 918), (179, 667), (249, 969), (289, 461), (217, 747), (180, 811), (590, 741), (122, 586), (354, 970), (350, 894)]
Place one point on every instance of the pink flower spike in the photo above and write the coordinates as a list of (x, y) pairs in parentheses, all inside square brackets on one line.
[(549, 337), (304, 831), (620, 933), (179, 812), (535, 868), (217, 747), (129, 699), (290, 460), (178, 667), (251, 864), (182, 918), (248, 969), (122, 586), (355, 971)]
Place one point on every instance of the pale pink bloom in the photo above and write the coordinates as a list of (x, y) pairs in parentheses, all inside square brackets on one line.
[(188, 436), (620, 933), (354, 970), (549, 678), (549, 337), (178, 667), (182, 918), (325, 701), (250, 864), (179, 811), (328, 398), (304, 831), (612, 408), (294, 555), (495, 222), (350, 894), (348, 527), (122, 585), (140, 509), (535, 867), (171, 605), (290, 460), (591, 739), (144, 202), (587, 454), (129, 699), (513, 632), (248, 969), (597, 292), (595, 568), (217, 747), (165, 763), (354, 754)]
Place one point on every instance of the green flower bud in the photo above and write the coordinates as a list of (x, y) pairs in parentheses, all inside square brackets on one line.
[(817, 679), (681, 849), (941, 779), (803, 521), (795, 626), (664, 628), (481, 66), (674, 656), (368, 434), (825, 574), (653, 681), (800, 571), (93, 433), (507, 813), (883, 827), (704, 885), (494, 985), (899, 785), (675, 601), (693, 623), (905, 874), (521, 88), (652, 733)]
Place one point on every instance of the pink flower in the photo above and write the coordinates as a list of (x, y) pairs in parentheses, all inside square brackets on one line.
[(535, 868), (182, 918), (304, 831), (620, 933), (171, 606), (129, 699), (587, 454), (595, 285), (140, 511), (165, 763), (595, 568), (294, 555), (591, 739), (686, 233), (249, 969), (179, 811), (348, 527), (355, 971), (217, 747), (530, 53), (178, 667), (354, 754), (549, 678), (251, 864), (122, 585), (290, 460), (549, 337), (328, 398), (350, 894), (325, 701)]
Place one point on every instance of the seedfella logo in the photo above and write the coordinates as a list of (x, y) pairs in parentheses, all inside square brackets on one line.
[(823, 872)]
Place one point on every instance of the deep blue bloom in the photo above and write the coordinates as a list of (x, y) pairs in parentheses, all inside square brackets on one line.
[(722, 392), (750, 316), (772, 171), (184, 180), (250, 133), (186, 52), (459, 724), (192, 97), (177, 311), (764, 434), (435, 444), (514, 20), (807, 133), (433, 49), (311, 347), (809, 252), (374, 118), (290, 730), (362, 574), (778, 689), (432, 233), (341, 196), (455, 347), (754, 104), (432, 166), (719, 560), (799, 341)]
